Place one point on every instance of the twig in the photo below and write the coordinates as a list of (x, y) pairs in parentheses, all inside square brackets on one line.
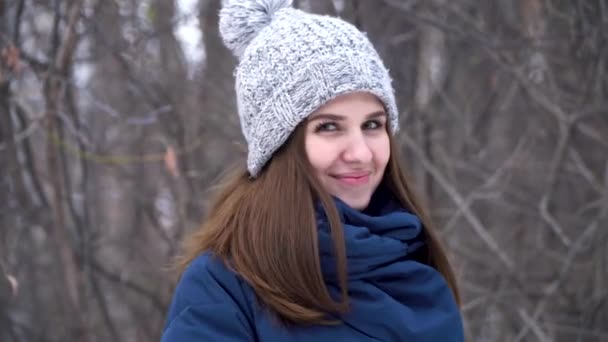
[(29, 161), (62, 53), (552, 288), (476, 224), (151, 296), (543, 207), (550, 106), (16, 29), (581, 332), (490, 181), (76, 132), (585, 171), (407, 9), (103, 307), (24, 134), (533, 324)]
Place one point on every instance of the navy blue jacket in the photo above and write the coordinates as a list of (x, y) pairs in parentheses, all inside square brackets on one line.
[(393, 296)]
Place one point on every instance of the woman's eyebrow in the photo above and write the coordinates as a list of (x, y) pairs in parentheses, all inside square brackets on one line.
[(327, 116), (376, 114)]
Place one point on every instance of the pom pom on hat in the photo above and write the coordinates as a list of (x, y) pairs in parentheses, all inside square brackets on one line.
[(241, 21)]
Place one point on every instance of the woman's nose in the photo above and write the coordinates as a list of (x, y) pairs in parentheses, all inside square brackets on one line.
[(357, 149)]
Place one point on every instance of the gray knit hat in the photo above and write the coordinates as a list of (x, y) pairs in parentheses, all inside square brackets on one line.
[(291, 63)]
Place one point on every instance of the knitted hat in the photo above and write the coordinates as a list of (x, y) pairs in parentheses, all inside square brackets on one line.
[(290, 64)]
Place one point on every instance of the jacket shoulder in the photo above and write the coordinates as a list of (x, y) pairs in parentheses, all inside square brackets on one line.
[(207, 284)]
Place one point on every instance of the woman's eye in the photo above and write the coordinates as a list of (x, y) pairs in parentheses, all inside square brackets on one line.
[(372, 124), (326, 127)]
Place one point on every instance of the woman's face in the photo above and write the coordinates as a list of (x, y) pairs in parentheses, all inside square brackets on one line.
[(348, 146)]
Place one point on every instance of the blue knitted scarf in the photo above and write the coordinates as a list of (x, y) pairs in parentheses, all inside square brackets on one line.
[(393, 296)]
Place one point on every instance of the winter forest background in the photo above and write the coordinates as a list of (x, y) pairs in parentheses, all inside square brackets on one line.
[(117, 116)]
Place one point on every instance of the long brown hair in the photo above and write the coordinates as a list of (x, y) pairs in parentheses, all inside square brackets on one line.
[(265, 230)]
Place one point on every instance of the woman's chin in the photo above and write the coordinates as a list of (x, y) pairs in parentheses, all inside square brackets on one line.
[(357, 203)]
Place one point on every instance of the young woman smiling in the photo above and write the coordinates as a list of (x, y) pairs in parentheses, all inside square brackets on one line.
[(320, 237)]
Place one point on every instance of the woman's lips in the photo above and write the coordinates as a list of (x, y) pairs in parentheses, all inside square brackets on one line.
[(353, 179)]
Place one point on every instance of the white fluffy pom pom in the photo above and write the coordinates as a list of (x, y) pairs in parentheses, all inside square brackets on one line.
[(242, 20)]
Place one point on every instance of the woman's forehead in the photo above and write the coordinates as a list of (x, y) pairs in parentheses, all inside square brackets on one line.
[(358, 103)]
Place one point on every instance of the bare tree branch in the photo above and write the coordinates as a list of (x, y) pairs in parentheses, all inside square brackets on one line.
[(575, 248), (461, 203)]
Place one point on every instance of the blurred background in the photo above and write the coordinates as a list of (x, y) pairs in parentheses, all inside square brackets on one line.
[(117, 116)]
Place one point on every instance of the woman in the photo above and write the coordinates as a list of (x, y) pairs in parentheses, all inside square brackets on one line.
[(320, 238)]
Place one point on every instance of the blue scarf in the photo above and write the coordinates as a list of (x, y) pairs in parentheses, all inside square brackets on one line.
[(393, 296)]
